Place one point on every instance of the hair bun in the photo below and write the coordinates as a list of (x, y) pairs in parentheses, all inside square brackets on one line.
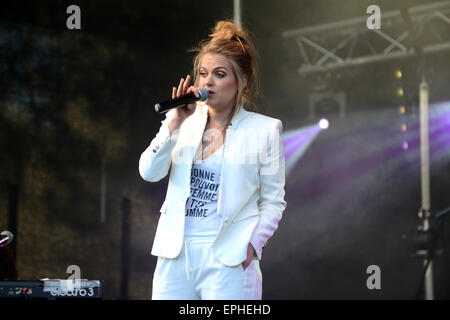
[(225, 30)]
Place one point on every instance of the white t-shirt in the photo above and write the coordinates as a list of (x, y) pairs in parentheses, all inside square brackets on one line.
[(201, 206)]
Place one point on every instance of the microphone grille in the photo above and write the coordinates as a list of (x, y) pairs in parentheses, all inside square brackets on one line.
[(9, 235), (203, 93)]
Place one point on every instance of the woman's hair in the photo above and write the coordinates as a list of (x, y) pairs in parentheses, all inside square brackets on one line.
[(234, 43)]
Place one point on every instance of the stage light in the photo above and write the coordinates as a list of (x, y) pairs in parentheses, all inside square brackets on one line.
[(401, 109), (404, 127), (324, 124), (405, 145), (400, 92), (398, 74), (296, 142)]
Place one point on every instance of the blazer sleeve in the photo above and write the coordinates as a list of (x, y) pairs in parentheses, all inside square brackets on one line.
[(272, 180), (155, 161)]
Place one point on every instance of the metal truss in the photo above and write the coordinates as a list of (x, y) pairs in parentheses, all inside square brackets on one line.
[(350, 42)]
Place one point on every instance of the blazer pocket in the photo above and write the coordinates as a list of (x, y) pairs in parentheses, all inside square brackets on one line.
[(246, 214)]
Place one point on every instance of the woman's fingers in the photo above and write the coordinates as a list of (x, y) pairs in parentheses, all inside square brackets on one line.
[(183, 87), (180, 87), (174, 93), (186, 83), (194, 90), (197, 94)]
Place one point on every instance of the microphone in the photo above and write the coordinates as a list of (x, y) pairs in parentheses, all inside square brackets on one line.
[(181, 101), (5, 238)]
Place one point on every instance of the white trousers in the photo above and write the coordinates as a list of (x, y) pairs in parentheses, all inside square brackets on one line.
[(196, 274)]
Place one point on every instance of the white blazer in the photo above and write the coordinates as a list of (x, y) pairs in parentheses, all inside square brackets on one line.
[(251, 189)]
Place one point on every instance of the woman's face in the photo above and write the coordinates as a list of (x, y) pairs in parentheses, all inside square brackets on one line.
[(217, 76)]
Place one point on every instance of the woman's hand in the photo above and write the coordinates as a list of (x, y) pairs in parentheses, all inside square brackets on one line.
[(182, 113), (250, 251)]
